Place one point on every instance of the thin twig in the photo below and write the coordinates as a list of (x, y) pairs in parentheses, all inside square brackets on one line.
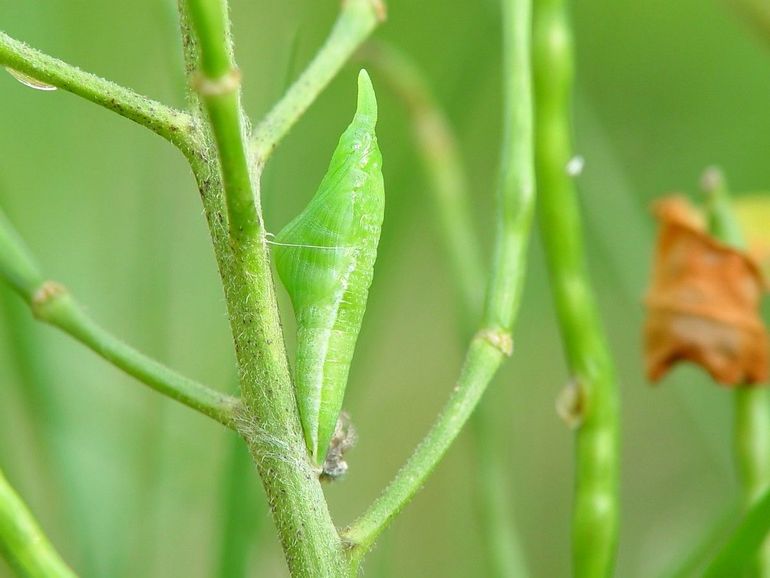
[(357, 20), (174, 125), (735, 557), (51, 303), (493, 343), (751, 438), (438, 147), (595, 399)]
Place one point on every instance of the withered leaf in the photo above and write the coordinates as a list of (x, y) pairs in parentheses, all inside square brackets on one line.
[(703, 302)]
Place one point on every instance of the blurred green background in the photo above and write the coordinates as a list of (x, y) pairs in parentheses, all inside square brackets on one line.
[(128, 484)]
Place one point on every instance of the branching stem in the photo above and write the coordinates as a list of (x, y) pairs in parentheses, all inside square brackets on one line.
[(218, 83), (438, 147), (493, 343), (52, 304), (355, 23), (230, 192)]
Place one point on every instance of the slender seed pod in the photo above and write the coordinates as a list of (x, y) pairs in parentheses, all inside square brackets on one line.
[(325, 259)]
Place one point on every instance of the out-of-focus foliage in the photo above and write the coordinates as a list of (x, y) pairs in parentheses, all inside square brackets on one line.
[(665, 88)]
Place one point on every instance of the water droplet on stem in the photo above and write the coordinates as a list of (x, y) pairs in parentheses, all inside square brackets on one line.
[(29, 81)]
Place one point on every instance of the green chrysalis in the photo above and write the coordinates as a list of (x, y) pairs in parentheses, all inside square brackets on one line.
[(325, 259)]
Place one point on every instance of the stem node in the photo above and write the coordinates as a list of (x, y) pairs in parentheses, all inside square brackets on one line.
[(211, 87), (46, 297), (499, 339)]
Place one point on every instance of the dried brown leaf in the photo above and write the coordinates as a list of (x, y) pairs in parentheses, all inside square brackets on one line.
[(703, 302)]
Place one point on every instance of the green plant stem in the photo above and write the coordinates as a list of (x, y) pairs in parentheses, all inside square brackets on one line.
[(740, 551), (175, 126), (703, 549), (752, 441), (356, 21), (493, 342), (438, 148), (751, 438), (218, 83), (484, 357), (52, 304), (269, 421), (595, 517), (22, 543), (35, 384)]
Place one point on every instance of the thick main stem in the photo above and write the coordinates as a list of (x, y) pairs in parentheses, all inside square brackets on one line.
[(595, 516), (270, 422)]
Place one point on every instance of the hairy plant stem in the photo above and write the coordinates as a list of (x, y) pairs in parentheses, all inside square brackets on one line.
[(269, 422), (214, 139), (493, 342), (751, 437), (439, 150), (173, 125), (22, 542), (52, 304), (355, 23), (595, 516)]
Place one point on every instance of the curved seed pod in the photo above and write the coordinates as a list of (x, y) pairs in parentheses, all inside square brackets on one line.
[(325, 258)]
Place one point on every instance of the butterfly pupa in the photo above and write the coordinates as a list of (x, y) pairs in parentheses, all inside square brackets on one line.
[(325, 259)]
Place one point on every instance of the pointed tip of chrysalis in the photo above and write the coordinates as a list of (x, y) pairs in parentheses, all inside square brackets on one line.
[(367, 101)]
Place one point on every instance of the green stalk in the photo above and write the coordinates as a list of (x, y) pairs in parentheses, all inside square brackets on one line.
[(173, 125), (52, 304), (438, 148), (22, 543), (215, 145), (35, 385), (218, 82), (741, 550), (595, 517), (269, 421), (751, 437), (356, 21), (703, 549), (493, 342)]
